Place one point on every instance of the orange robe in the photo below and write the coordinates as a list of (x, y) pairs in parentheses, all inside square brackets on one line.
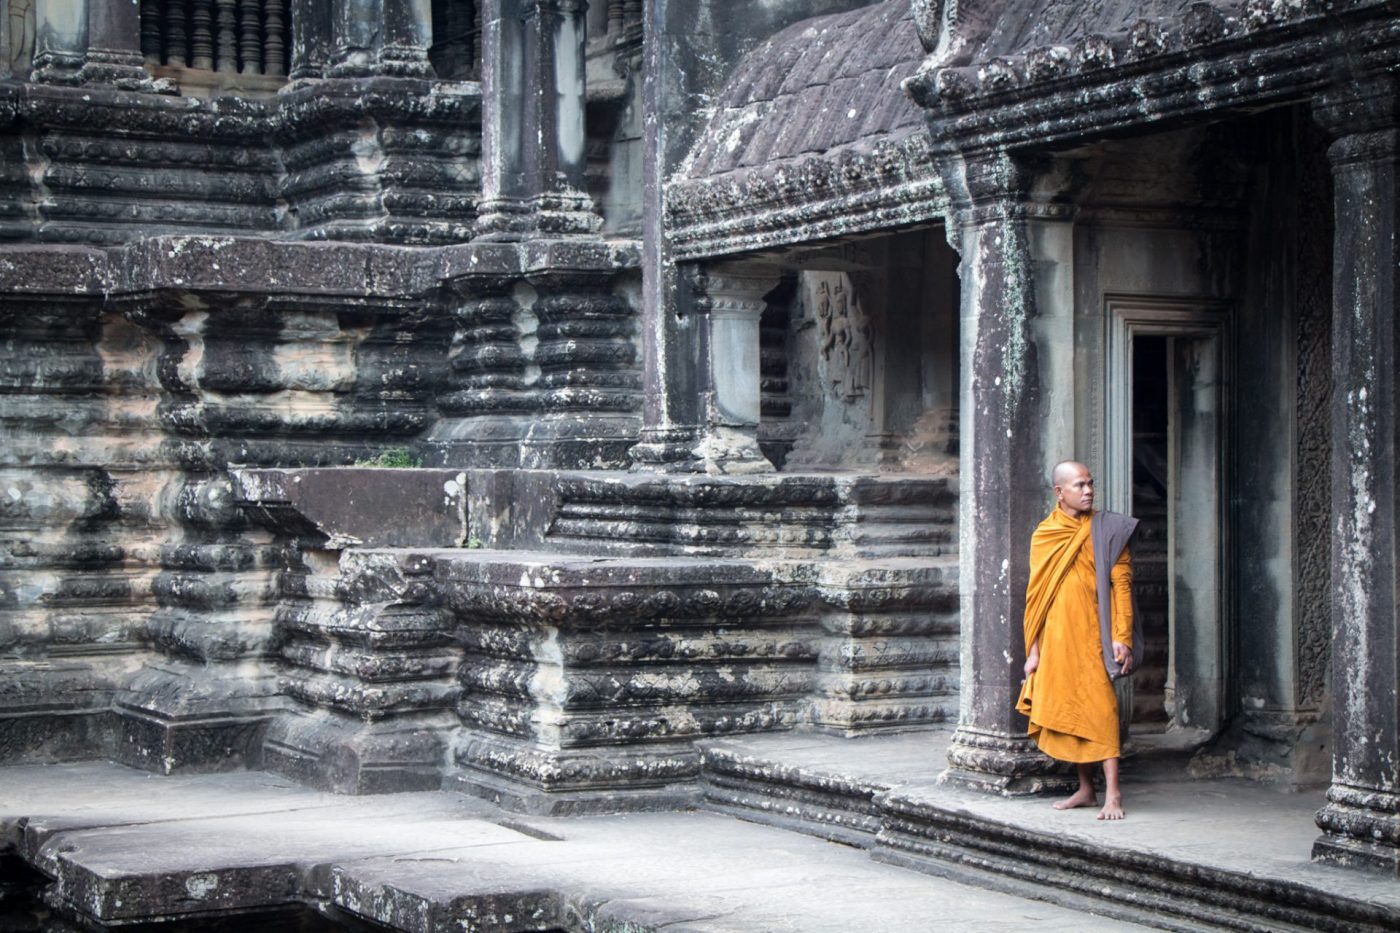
[(1069, 698)]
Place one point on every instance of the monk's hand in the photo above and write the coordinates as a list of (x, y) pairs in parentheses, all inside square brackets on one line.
[(1032, 661), (1123, 656)]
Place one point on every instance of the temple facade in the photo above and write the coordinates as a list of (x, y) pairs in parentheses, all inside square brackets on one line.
[(507, 396)]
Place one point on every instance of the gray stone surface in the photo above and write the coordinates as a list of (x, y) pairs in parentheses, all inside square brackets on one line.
[(124, 844), (1190, 852)]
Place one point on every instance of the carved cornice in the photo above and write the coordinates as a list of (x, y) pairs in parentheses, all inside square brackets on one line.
[(892, 183), (1212, 57)]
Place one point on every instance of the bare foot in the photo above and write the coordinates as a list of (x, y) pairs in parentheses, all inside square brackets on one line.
[(1084, 797), (1112, 809)]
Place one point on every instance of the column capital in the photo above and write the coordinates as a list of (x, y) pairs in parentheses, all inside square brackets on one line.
[(988, 187), (1366, 105), (736, 288)]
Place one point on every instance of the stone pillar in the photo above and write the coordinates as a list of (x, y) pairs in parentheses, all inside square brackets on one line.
[(672, 338), (1002, 481), (311, 39), (114, 44), (380, 37), (61, 41), (533, 135), (1361, 821), (733, 304)]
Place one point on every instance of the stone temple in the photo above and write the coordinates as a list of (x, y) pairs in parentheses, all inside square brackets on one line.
[(592, 412)]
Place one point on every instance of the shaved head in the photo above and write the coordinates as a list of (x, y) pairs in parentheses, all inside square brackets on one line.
[(1065, 471)]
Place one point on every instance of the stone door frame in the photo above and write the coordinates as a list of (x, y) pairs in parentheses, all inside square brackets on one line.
[(1200, 662)]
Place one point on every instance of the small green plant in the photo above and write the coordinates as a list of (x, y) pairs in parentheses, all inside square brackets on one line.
[(399, 457), (475, 543)]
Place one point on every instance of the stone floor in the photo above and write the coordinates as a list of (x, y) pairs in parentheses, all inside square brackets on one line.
[(1223, 823), (1196, 847), (125, 844)]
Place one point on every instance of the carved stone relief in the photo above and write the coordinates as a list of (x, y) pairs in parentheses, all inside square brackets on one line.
[(21, 28), (844, 337)]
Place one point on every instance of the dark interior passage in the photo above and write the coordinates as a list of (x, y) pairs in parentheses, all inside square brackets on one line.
[(1150, 553)]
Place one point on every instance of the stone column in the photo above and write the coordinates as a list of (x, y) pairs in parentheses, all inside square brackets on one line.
[(380, 37), (61, 40), (1361, 821), (671, 339), (533, 135), (733, 303), (114, 44), (1002, 481), (311, 39)]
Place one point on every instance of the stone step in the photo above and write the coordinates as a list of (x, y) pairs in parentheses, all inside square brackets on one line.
[(1189, 856)]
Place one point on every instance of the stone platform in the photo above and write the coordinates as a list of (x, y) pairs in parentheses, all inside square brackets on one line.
[(1192, 854), (253, 851)]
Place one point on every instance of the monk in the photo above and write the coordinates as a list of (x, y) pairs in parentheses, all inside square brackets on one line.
[(1079, 631)]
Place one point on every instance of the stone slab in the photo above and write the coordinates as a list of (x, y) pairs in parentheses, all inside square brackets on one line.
[(438, 861), (1245, 845), (345, 507)]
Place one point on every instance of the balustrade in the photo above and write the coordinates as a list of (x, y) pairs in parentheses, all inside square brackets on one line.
[(246, 37)]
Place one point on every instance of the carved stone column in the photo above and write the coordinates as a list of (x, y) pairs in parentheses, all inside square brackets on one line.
[(1002, 481), (82, 42), (60, 44), (114, 45), (733, 302), (379, 37), (1361, 821), (311, 39), (533, 137)]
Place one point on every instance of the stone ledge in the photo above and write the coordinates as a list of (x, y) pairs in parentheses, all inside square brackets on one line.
[(1160, 869), (341, 507)]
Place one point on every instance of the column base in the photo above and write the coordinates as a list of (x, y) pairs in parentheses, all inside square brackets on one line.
[(666, 450), (1360, 829), (727, 451), (560, 214), (1006, 765)]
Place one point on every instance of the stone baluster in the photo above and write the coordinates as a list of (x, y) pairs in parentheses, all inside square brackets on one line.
[(202, 35), (1003, 475), (177, 34), (151, 33), (275, 12), (226, 33), (632, 20), (615, 17), (1361, 821), (250, 36)]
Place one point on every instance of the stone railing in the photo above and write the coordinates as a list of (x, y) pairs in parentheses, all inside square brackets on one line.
[(216, 39)]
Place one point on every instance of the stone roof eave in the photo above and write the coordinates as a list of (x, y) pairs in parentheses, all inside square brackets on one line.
[(1181, 83), (820, 197)]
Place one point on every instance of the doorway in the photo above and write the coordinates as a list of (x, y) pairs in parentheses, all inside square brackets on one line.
[(1166, 450)]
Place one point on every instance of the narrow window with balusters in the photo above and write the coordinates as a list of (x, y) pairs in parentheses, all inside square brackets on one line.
[(218, 45)]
